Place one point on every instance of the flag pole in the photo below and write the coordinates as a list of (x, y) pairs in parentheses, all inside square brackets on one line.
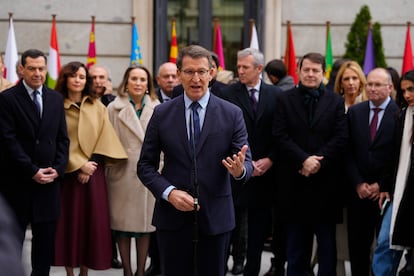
[(328, 26), (251, 24), (215, 32)]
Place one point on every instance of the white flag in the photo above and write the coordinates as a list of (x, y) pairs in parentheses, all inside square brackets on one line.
[(10, 56), (254, 41)]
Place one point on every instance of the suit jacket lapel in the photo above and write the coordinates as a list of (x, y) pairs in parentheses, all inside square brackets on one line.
[(385, 121), (180, 124), (323, 103), (244, 98), (296, 102), (209, 121), (29, 106), (261, 105)]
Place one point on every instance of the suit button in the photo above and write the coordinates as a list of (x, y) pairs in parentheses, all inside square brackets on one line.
[(37, 142)]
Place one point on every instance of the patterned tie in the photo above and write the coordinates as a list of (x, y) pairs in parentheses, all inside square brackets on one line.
[(194, 123), (374, 123), (253, 99), (36, 102)]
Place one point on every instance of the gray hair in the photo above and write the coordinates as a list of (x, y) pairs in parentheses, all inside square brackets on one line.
[(257, 55)]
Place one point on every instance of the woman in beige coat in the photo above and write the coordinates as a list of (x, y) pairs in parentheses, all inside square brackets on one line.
[(131, 204)]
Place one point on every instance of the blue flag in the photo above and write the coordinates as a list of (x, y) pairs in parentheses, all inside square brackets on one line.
[(136, 57)]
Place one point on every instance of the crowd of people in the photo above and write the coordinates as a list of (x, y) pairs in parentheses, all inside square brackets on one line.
[(196, 170)]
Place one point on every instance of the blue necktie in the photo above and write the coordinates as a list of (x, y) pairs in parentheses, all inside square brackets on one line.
[(194, 123), (36, 102)]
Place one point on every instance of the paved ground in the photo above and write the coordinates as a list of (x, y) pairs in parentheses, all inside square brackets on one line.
[(60, 271)]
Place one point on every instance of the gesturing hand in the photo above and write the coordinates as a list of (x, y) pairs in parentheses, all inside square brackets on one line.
[(235, 165)]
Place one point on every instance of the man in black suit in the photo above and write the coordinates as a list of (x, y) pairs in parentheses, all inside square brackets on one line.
[(34, 154), (311, 135), (193, 211), (166, 79), (258, 195), (371, 130)]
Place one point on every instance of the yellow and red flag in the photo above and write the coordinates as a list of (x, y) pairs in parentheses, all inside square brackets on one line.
[(174, 45), (91, 60)]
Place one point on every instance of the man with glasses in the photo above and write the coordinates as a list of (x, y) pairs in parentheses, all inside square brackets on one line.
[(371, 132), (204, 142)]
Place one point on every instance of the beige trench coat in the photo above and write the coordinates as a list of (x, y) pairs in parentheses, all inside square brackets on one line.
[(131, 203)]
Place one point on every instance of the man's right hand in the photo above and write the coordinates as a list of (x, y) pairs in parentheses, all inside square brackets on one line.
[(182, 200)]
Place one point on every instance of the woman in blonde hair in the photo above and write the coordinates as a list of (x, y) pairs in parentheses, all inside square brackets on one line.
[(131, 203), (350, 83)]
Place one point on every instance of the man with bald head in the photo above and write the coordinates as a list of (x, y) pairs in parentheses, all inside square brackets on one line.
[(371, 145), (166, 79), (101, 83)]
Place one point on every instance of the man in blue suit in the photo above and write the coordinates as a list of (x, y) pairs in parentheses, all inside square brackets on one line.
[(204, 142), (33, 156)]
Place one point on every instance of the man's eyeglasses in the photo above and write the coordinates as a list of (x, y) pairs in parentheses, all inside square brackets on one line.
[(376, 85), (200, 73)]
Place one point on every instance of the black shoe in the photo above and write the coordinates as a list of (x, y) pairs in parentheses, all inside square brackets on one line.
[(405, 271), (152, 270), (116, 264), (276, 269), (237, 269)]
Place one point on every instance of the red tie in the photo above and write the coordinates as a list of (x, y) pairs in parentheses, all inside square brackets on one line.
[(374, 123)]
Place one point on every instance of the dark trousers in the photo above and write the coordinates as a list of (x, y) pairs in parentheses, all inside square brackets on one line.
[(43, 246), (364, 222), (278, 245), (299, 247), (153, 251), (238, 241), (259, 221), (180, 256)]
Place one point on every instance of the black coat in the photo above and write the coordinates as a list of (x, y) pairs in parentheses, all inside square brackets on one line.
[(28, 143), (259, 190), (313, 199)]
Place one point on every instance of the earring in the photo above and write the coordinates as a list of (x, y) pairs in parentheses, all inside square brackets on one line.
[(147, 92)]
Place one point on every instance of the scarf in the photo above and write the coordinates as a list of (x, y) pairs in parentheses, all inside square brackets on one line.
[(404, 164), (310, 99)]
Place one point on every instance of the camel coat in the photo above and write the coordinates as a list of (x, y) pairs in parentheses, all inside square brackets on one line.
[(131, 203), (90, 132)]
